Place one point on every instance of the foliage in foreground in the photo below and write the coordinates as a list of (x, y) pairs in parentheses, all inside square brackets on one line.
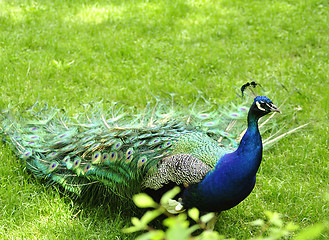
[(178, 226), (68, 53)]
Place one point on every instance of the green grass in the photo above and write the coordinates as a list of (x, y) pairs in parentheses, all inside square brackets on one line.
[(71, 52)]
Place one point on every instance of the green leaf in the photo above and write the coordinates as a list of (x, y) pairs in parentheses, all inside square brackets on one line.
[(149, 216), (206, 218), (172, 221), (131, 229), (194, 214), (193, 228), (143, 200), (258, 222), (291, 226), (274, 218), (154, 235), (211, 235), (178, 228), (169, 195), (135, 221), (312, 232), (138, 226), (269, 214)]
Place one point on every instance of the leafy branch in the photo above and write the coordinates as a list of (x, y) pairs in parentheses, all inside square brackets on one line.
[(178, 226)]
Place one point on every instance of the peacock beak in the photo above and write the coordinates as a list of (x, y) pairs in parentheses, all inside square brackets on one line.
[(274, 108)]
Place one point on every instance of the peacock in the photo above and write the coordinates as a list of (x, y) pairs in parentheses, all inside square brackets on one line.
[(206, 151)]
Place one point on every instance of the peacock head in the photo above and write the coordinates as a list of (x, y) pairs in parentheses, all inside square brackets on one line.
[(263, 105)]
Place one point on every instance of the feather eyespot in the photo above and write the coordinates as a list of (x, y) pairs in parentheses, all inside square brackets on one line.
[(95, 145), (52, 167), (110, 142), (27, 154), (96, 157), (204, 115), (209, 124), (235, 115), (141, 142), (120, 155), (67, 162), (86, 138), (63, 135), (87, 168), (141, 161), (129, 158), (68, 147), (113, 156), (117, 145), (129, 152), (66, 159), (76, 162), (154, 142), (132, 138), (52, 155), (105, 156), (165, 145), (243, 109), (87, 144)]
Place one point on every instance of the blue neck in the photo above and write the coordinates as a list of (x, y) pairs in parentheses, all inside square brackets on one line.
[(248, 156), (233, 178)]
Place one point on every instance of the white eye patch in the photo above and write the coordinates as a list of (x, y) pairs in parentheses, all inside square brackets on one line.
[(269, 105), (259, 107)]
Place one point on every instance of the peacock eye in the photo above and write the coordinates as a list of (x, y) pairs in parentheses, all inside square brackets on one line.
[(261, 106)]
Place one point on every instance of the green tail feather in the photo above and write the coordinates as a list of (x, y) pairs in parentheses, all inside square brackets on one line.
[(116, 149)]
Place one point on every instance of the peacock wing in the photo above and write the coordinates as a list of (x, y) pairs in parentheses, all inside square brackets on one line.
[(179, 169)]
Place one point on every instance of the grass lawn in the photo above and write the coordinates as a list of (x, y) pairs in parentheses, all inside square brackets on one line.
[(72, 52)]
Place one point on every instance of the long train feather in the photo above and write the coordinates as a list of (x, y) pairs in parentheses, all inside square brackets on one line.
[(119, 148)]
